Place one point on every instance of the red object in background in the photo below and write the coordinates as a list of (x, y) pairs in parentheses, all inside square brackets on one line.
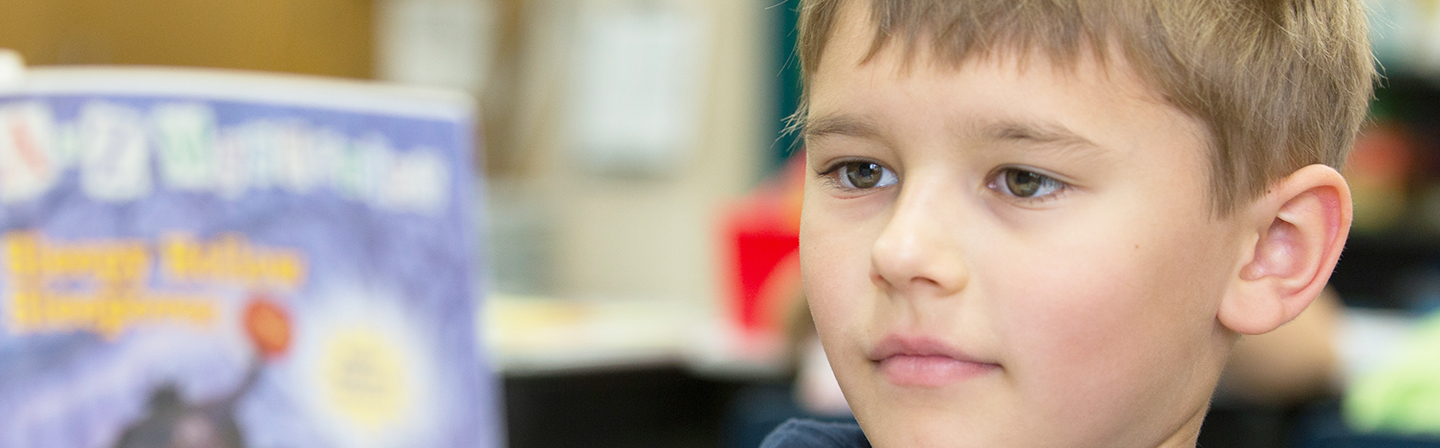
[(764, 231), (762, 240), (1384, 153), (268, 326)]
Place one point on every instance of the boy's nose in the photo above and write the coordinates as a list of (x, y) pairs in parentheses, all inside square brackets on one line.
[(918, 253)]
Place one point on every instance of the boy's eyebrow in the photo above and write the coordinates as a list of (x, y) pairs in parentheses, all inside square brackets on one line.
[(841, 124), (1041, 133), (1035, 131)]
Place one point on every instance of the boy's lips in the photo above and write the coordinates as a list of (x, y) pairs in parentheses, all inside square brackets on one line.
[(926, 362)]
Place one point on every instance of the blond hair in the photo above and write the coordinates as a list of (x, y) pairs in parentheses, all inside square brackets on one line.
[(1280, 84)]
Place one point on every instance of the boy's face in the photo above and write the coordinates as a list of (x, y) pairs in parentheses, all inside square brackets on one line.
[(1007, 257)]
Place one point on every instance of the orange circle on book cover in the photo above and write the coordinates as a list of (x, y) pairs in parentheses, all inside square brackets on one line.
[(269, 327)]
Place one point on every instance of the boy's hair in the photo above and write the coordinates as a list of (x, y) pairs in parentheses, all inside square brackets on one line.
[(1280, 84)]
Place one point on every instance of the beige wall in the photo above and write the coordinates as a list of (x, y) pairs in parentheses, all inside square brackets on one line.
[(657, 237)]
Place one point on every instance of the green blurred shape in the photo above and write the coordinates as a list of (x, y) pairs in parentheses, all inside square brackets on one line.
[(1402, 396)]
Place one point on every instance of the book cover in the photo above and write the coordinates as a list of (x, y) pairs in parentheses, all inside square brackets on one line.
[(198, 258)]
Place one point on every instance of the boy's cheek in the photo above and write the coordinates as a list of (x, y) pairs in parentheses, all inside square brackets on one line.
[(833, 286), (835, 267), (829, 272), (1124, 324), (835, 249)]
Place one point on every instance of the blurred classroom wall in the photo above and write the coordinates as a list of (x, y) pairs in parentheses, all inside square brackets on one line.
[(576, 231), (639, 233)]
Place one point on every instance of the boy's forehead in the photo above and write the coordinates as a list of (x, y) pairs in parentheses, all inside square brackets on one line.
[(856, 42), (851, 74), (1093, 109)]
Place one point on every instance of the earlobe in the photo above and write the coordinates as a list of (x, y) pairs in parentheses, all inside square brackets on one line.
[(1302, 223)]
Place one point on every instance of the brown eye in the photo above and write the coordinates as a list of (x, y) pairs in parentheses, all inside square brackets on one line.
[(1026, 184), (1022, 183), (865, 175)]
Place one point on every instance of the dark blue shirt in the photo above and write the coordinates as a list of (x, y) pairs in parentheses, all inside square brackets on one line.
[(813, 434)]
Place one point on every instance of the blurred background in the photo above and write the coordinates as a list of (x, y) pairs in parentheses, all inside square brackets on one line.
[(639, 215)]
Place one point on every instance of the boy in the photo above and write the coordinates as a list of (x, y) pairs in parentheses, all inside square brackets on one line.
[(1045, 223)]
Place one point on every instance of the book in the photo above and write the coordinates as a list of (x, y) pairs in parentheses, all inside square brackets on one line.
[(206, 258)]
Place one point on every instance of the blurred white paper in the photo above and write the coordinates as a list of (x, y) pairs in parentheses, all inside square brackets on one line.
[(435, 42), (12, 67), (636, 88)]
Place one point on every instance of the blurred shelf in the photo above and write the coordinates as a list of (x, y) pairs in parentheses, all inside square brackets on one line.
[(527, 336)]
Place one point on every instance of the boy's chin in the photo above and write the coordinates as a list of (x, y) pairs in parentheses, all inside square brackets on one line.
[(892, 426), (921, 429), (935, 420)]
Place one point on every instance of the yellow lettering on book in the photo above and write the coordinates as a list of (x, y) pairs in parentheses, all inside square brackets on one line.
[(231, 258), (30, 256), (102, 286), (106, 315)]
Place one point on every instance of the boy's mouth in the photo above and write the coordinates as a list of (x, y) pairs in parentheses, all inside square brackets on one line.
[(925, 362)]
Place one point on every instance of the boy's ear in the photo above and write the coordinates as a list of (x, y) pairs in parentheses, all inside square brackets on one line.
[(1302, 222)]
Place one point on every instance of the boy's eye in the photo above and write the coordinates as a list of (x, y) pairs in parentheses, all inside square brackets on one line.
[(1026, 184), (863, 175)]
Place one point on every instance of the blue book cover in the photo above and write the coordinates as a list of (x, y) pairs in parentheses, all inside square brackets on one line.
[(209, 259)]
